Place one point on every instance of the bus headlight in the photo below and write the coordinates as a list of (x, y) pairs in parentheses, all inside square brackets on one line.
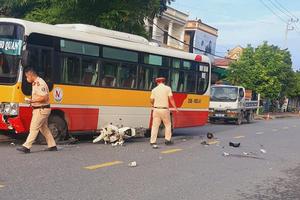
[(9, 109)]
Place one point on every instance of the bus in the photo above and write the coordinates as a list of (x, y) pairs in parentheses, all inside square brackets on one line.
[(96, 77)]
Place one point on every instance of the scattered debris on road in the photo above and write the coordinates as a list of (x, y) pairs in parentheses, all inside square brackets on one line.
[(232, 144), (209, 135), (226, 154), (263, 151), (132, 164), (117, 136)]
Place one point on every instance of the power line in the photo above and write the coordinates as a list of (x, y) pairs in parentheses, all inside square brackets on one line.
[(187, 43), (286, 10), (270, 9), (281, 9)]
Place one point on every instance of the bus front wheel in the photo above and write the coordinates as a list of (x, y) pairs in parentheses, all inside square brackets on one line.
[(58, 128)]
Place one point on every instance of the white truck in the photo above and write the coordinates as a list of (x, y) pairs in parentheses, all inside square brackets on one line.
[(230, 103)]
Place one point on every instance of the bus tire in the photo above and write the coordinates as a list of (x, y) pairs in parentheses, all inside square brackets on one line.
[(58, 128), (148, 133)]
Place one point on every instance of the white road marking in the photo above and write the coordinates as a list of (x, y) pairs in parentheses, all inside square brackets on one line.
[(259, 133)]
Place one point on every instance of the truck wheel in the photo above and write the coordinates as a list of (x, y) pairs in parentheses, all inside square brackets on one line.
[(239, 120), (58, 128), (249, 117)]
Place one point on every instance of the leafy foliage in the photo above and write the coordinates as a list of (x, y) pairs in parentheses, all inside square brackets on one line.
[(122, 15), (266, 70)]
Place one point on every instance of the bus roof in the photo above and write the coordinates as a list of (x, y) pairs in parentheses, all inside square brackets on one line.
[(67, 33)]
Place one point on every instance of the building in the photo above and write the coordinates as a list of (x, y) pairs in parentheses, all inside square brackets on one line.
[(219, 69), (235, 53), (200, 37), (168, 30)]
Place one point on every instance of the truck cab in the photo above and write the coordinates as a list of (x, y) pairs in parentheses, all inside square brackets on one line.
[(231, 104)]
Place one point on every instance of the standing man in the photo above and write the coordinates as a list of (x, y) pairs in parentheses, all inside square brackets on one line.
[(41, 111), (160, 97)]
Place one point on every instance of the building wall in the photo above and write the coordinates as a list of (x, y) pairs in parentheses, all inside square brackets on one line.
[(172, 23), (200, 36)]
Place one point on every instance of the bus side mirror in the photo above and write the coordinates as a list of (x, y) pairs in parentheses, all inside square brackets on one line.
[(25, 58)]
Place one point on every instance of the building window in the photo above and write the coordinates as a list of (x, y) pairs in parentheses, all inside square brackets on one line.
[(165, 39)]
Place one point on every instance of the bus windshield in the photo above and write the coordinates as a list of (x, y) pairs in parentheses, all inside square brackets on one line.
[(224, 94), (11, 36)]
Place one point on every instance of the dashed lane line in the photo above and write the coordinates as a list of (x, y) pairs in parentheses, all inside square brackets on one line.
[(259, 133), (213, 142), (171, 151), (285, 128), (107, 164), (239, 136), (2, 186), (274, 130)]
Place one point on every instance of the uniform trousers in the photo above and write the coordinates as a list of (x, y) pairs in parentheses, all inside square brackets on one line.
[(161, 115), (39, 123)]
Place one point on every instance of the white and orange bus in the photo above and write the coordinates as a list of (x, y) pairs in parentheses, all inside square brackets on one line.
[(96, 77)]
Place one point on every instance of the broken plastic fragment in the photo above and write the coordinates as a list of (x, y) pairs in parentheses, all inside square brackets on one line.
[(234, 144), (263, 151), (132, 164), (225, 154)]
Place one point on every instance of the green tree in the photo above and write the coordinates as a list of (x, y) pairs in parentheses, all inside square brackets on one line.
[(122, 15), (265, 69)]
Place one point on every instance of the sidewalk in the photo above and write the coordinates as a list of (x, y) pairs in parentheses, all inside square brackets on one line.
[(272, 115)]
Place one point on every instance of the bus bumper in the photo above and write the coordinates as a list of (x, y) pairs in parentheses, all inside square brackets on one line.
[(11, 123)]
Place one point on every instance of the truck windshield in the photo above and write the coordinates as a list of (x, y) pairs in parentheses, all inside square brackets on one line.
[(11, 36), (224, 94)]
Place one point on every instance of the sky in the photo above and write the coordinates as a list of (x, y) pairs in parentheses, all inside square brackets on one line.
[(242, 22)]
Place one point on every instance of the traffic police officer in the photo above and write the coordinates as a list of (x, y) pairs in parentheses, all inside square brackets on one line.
[(160, 97), (41, 111)]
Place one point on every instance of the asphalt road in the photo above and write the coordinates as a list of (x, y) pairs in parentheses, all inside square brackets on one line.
[(186, 170)]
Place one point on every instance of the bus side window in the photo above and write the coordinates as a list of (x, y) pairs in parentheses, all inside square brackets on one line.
[(109, 76), (90, 72), (71, 71), (145, 78), (46, 67), (127, 75)]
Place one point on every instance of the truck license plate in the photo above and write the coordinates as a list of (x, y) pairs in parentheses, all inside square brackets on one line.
[(220, 115)]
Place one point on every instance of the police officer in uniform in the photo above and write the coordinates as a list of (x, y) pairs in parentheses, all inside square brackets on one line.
[(41, 111), (160, 97)]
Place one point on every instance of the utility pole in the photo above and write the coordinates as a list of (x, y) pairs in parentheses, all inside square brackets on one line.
[(289, 27)]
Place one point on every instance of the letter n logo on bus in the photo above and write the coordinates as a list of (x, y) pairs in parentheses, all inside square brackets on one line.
[(58, 94)]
